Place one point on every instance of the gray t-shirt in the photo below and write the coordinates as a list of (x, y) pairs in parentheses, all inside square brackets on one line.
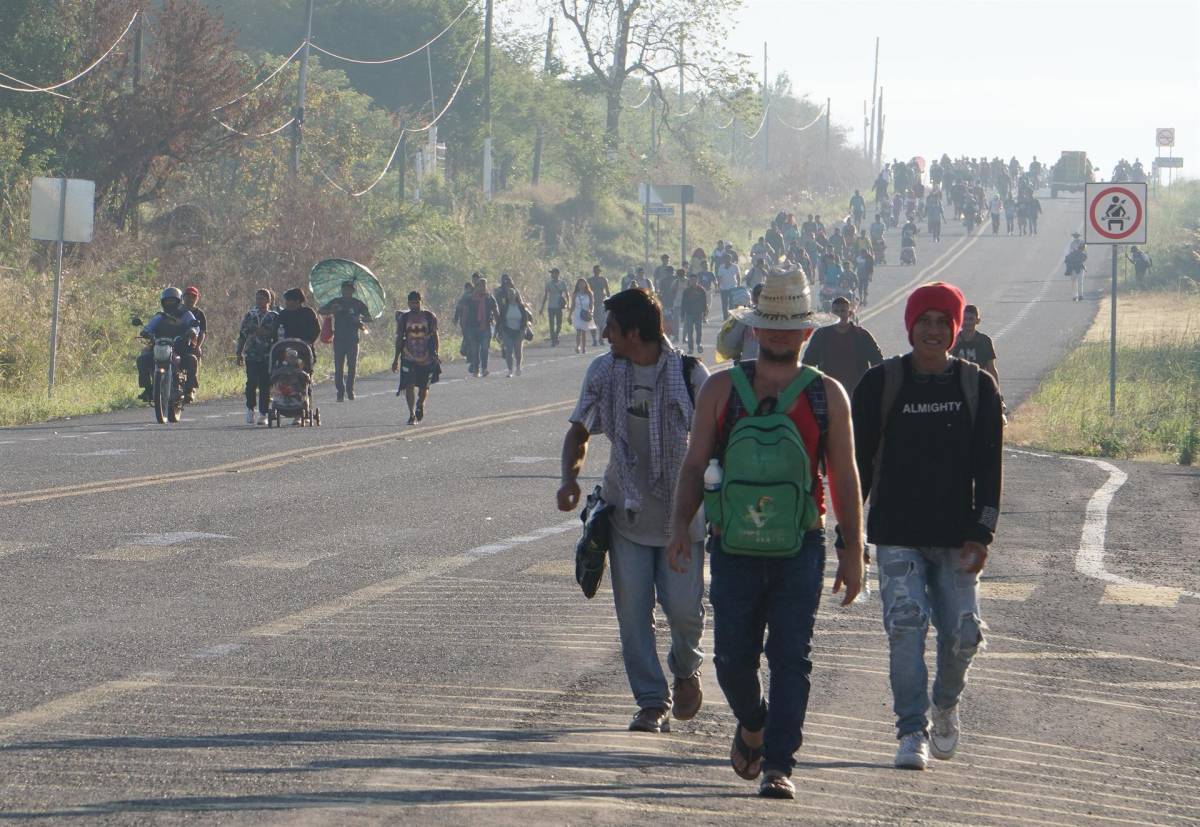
[(647, 527), (557, 294)]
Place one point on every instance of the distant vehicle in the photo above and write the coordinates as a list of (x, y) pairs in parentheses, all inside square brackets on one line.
[(1072, 171)]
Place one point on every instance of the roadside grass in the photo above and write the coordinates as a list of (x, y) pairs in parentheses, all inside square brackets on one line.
[(1158, 387)]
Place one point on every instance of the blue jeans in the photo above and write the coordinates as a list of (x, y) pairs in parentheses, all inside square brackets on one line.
[(638, 574), (750, 595), (918, 585)]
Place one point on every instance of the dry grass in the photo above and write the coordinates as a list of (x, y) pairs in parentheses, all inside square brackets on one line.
[(1158, 387)]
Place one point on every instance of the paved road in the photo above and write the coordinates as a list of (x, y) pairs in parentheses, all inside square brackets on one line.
[(367, 623)]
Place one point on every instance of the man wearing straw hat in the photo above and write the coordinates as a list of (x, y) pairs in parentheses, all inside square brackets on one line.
[(777, 585)]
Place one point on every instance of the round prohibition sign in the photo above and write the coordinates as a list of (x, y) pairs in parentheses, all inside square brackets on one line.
[(1100, 221)]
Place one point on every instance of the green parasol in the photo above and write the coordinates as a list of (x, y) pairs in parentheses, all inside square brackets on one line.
[(325, 283)]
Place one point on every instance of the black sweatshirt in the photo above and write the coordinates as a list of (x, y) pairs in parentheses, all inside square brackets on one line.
[(940, 478)]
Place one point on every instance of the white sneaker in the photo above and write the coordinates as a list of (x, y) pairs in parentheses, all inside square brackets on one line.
[(913, 753), (249, 416), (261, 420), (943, 735)]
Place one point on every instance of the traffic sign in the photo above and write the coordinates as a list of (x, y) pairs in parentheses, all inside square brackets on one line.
[(1165, 136), (62, 209), (1174, 162), (659, 209), (1116, 213)]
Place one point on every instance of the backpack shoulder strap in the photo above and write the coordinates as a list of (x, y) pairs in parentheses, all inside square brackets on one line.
[(743, 388), (893, 378), (688, 366), (796, 387), (968, 375)]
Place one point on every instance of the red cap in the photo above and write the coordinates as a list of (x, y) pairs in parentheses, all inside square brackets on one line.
[(195, 291), (937, 295)]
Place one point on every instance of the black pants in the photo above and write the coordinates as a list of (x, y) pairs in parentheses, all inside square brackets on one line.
[(145, 368), (555, 315), (258, 384), (345, 365), (693, 327)]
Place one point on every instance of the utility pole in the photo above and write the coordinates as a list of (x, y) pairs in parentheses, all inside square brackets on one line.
[(766, 115), (135, 219), (298, 126), (400, 168), (827, 130), (874, 90), (866, 150), (681, 70), (879, 133), (537, 143), (487, 100)]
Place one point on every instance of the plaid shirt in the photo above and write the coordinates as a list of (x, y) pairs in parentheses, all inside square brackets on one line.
[(251, 346)]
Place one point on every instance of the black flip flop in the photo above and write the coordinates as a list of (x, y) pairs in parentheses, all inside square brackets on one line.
[(749, 757)]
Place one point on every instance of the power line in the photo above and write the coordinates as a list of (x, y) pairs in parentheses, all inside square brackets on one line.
[(18, 80), (236, 131), (99, 60), (809, 125), (415, 51), (262, 82), (399, 141), (761, 124)]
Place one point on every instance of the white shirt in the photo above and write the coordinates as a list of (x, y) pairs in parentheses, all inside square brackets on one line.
[(727, 276)]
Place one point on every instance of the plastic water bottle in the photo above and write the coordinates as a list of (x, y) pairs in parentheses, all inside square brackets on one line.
[(712, 477), (712, 492)]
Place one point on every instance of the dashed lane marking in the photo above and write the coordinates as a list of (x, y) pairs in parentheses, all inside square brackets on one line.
[(1006, 591), (945, 260), (135, 554), (72, 704), (1122, 595), (279, 559)]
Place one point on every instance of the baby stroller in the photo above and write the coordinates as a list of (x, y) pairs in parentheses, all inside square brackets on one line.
[(908, 249), (291, 384)]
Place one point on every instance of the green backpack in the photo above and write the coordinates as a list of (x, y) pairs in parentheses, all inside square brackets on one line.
[(766, 502)]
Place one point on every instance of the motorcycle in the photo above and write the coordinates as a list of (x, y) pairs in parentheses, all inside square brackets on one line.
[(969, 220), (166, 392)]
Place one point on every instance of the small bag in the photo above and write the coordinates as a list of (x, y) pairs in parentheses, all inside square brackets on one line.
[(528, 333), (585, 314), (327, 330), (591, 551)]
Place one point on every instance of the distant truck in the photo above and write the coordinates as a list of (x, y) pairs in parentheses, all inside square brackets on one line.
[(1072, 171)]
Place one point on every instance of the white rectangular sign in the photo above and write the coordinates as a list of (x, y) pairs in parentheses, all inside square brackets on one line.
[(1115, 213), (46, 205)]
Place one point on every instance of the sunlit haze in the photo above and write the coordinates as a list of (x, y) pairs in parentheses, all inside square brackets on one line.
[(995, 78)]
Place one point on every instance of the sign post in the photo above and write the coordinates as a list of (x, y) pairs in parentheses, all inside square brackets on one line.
[(1116, 215), (61, 210), (656, 200), (1164, 136)]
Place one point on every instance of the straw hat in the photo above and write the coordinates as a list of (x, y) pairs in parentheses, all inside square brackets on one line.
[(784, 304)]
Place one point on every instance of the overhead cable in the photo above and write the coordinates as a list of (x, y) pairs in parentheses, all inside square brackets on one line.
[(18, 80), (761, 123), (262, 82), (417, 50), (808, 125), (98, 61), (406, 130), (236, 131), (644, 100)]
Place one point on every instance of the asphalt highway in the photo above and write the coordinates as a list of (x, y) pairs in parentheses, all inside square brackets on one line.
[(371, 623)]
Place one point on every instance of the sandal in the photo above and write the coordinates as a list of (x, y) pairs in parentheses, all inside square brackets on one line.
[(776, 785), (745, 759)]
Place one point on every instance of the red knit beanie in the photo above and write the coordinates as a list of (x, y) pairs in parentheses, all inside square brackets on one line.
[(937, 295)]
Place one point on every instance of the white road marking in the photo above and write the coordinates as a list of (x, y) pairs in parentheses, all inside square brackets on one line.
[(512, 542), (135, 554), (528, 460), (173, 538), (1089, 559), (105, 452), (1122, 595), (279, 559), (1024, 311)]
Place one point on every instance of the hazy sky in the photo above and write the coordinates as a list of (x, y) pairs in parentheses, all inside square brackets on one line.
[(998, 78), (994, 77)]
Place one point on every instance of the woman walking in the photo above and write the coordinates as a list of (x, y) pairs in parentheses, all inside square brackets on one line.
[(583, 311), (515, 318)]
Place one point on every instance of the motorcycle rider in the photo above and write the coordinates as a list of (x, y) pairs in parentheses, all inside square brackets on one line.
[(176, 322)]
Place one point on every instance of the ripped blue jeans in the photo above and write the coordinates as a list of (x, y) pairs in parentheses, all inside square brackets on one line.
[(916, 586)]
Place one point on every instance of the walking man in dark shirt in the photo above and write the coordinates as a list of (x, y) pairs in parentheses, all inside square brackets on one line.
[(191, 300), (693, 308), (843, 351), (350, 317), (297, 320), (928, 436), (416, 358)]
